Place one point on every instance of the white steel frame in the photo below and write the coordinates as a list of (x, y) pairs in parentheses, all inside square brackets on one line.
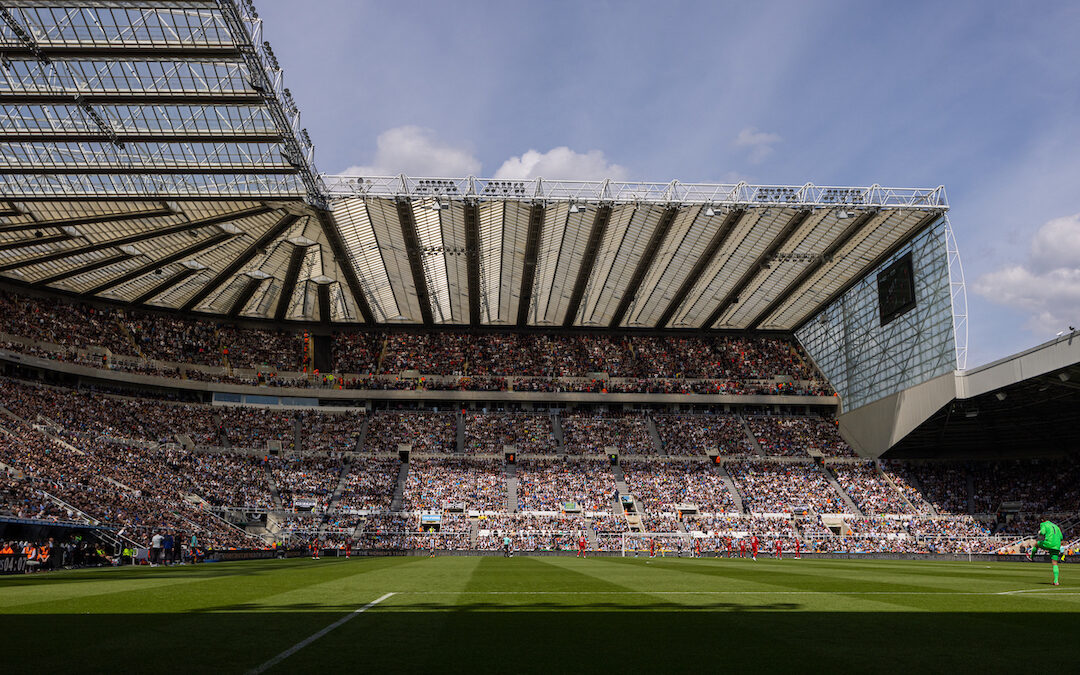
[(610, 191), (958, 291)]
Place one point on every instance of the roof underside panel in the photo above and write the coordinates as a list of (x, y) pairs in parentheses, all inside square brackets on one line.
[(748, 240), (685, 241), (368, 260), (813, 236), (887, 229), (562, 246), (390, 242), (162, 24), (624, 242), (28, 121), (441, 233), (131, 99), (504, 227)]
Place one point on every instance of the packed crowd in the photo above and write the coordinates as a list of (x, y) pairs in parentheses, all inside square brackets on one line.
[(369, 483), (869, 489), (331, 431), (238, 481), (589, 434), (547, 485), (432, 484), (426, 432), (118, 485), (306, 482), (530, 433), (702, 435), (799, 436), (24, 498), (661, 487), (781, 487), (75, 325), (701, 364), (95, 456)]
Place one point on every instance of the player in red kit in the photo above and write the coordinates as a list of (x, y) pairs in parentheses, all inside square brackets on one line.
[(581, 546), (779, 551), (798, 556), (348, 548), (729, 547), (742, 548), (652, 548), (697, 548), (754, 546)]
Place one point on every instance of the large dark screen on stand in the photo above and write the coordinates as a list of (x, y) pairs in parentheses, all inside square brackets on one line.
[(896, 289)]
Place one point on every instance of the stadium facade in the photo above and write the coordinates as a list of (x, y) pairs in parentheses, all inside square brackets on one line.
[(154, 166)]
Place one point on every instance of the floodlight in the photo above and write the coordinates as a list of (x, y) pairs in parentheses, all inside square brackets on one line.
[(710, 212)]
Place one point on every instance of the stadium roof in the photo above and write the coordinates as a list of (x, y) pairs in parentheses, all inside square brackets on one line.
[(1028, 403), (152, 155)]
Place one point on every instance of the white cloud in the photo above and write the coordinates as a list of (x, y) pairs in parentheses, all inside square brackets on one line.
[(415, 151), (1057, 243), (1047, 284), (560, 163), (758, 142)]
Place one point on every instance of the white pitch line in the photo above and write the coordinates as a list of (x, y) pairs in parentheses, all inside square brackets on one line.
[(728, 592), (306, 641), (1037, 590)]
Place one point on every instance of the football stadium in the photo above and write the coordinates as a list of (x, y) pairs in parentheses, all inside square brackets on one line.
[(255, 418)]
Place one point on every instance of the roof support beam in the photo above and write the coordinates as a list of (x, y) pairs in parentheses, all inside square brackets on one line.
[(292, 272), (926, 222), (472, 258), (849, 232), (220, 52), (272, 233), (89, 220), (344, 263), (532, 248), (165, 285), (706, 257), (324, 303), (646, 261), (592, 245), (136, 98), (36, 241), (157, 264), (83, 269), (215, 169), (195, 136), (778, 241), (412, 249), (142, 236), (242, 298)]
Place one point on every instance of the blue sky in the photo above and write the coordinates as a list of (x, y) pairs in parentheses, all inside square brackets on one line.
[(981, 97)]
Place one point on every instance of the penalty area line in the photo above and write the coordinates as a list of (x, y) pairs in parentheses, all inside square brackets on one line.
[(315, 636)]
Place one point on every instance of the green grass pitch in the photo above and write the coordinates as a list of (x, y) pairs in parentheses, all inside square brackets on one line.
[(476, 614)]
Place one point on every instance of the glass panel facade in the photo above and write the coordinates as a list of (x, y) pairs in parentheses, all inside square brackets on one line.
[(866, 361)]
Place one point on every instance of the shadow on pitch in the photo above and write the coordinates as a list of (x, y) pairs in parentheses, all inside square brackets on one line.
[(486, 637), (538, 606)]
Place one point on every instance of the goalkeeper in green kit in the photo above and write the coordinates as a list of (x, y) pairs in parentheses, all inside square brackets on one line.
[(1049, 540)]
